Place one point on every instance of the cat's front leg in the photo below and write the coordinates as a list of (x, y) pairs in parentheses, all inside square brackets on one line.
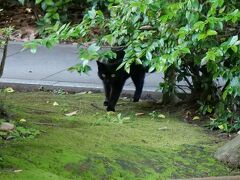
[(107, 90), (138, 80), (114, 95)]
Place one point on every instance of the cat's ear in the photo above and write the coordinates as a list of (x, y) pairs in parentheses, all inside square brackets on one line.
[(99, 64)]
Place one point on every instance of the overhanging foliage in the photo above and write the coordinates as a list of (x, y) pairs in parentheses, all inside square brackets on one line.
[(198, 40)]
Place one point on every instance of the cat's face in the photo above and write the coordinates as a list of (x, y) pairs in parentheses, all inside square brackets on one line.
[(107, 72)]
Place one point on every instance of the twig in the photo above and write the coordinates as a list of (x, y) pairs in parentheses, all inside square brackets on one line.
[(147, 27), (95, 106), (47, 124), (179, 86), (38, 110), (226, 85)]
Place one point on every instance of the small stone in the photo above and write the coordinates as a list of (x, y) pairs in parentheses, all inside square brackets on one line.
[(55, 104), (162, 128), (18, 170), (6, 126), (71, 113), (22, 120), (139, 114), (9, 90), (230, 153)]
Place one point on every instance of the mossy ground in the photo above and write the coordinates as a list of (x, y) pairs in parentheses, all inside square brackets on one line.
[(94, 145)]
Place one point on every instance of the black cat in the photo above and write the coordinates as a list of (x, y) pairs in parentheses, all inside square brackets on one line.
[(113, 80)]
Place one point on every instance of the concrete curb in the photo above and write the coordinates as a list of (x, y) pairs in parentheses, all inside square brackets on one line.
[(73, 87), (47, 70)]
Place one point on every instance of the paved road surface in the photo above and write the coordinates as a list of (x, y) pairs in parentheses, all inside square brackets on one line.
[(48, 68)]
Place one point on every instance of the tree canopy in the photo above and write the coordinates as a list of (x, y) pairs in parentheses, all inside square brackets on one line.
[(196, 40)]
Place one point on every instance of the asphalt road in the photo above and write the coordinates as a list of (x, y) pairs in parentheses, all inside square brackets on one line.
[(48, 68)]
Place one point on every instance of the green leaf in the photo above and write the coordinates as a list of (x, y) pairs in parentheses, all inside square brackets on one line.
[(151, 69), (201, 36), (94, 47), (199, 25), (220, 25), (186, 50), (49, 2), (233, 40), (109, 39), (92, 13), (21, 1), (38, 1), (55, 16), (211, 32), (234, 48), (149, 56), (211, 55)]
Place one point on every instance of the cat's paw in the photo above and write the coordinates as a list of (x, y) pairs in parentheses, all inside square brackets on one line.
[(110, 109), (135, 100), (105, 103)]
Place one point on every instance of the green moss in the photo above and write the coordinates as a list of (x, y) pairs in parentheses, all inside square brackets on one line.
[(94, 145)]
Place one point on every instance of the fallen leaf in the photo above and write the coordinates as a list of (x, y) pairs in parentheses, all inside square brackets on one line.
[(28, 10), (9, 90), (17, 170), (22, 120), (213, 119), (196, 118), (126, 118), (162, 128), (84, 92), (71, 113), (55, 104), (161, 116), (221, 127), (139, 114)]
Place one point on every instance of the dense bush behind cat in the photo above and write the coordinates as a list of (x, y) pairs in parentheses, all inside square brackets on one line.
[(114, 80)]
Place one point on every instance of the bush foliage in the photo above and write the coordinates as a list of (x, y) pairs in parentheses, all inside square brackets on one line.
[(196, 40)]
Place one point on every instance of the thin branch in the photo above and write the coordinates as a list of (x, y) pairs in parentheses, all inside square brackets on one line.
[(226, 85), (95, 106), (147, 27), (186, 79), (179, 86), (4, 56), (188, 82), (46, 124)]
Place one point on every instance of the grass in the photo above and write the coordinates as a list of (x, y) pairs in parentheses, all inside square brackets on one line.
[(95, 145)]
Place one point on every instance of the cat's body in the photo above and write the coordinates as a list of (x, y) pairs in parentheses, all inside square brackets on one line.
[(113, 80)]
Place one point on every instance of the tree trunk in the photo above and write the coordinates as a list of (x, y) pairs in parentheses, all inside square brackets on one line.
[(169, 95)]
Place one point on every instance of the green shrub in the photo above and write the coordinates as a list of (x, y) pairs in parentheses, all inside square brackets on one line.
[(196, 41)]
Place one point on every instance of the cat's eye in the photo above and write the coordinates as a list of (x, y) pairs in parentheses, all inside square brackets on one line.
[(113, 75), (103, 75)]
